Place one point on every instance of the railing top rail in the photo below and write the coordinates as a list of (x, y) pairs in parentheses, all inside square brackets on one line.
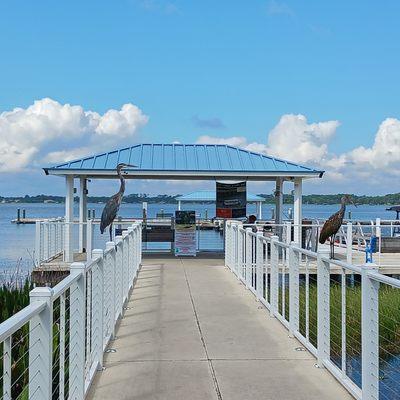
[(12, 324), (355, 268), (388, 280), (64, 285), (306, 252)]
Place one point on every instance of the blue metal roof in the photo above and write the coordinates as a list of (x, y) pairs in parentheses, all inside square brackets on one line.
[(210, 195), (183, 157)]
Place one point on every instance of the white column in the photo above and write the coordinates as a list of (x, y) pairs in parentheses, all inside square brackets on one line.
[(259, 210), (179, 205), (278, 200), (82, 214), (69, 218), (298, 205)]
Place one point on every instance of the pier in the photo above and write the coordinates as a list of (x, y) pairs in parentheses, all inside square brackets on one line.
[(267, 316)]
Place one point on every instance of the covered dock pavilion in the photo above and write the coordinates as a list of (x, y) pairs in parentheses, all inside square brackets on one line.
[(210, 162), (201, 196)]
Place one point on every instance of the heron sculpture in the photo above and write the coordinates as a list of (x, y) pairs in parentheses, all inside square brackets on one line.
[(333, 224), (112, 206)]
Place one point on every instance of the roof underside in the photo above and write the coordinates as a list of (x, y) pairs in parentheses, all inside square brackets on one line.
[(210, 195), (179, 161)]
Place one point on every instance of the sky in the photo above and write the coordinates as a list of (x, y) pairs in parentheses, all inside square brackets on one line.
[(314, 82)]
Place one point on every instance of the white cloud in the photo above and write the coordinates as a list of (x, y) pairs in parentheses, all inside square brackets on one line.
[(279, 8), (47, 130), (293, 138)]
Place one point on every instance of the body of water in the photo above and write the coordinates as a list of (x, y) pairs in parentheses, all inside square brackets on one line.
[(19, 240)]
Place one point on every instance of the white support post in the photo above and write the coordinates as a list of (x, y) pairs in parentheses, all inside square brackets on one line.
[(119, 293), (77, 333), (7, 348), (298, 205), (41, 346), (46, 240), (248, 258), (323, 310), (82, 214), (279, 205), (38, 243), (98, 308), (294, 299), (240, 252), (69, 219), (89, 239), (369, 334), (274, 278), (259, 265), (259, 210), (125, 265), (111, 246), (179, 205), (349, 243)]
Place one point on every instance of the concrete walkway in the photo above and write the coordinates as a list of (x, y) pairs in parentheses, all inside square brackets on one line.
[(193, 332)]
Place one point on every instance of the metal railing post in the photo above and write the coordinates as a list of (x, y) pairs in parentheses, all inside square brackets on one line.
[(349, 243), (119, 292), (38, 243), (41, 352), (125, 265), (259, 265), (98, 307), (274, 279), (248, 258), (111, 246), (240, 253), (293, 289), (89, 239), (323, 310), (369, 334), (77, 333)]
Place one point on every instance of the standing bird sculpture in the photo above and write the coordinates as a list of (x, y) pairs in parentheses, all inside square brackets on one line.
[(333, 224), (112, 206)]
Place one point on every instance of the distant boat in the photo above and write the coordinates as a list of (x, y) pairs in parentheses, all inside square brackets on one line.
[(49, 201)]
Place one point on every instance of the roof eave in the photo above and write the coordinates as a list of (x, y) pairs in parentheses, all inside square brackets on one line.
[(152, 174)]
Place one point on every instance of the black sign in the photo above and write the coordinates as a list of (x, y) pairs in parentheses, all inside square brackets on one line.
[(231, 200)]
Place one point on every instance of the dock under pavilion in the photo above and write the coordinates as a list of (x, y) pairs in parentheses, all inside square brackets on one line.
[(208, 162), (209, 196)]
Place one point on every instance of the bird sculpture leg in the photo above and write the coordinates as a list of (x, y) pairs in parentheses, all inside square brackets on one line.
[(331, 246), (111, 232)]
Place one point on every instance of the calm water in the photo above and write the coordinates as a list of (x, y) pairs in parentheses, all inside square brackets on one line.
[(19, 240)]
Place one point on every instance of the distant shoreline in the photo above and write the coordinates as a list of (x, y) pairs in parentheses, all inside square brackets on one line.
[(318, 199)]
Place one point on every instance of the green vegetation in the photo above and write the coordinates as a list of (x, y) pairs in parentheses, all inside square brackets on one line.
[(12, 300), (389, 199), (389, 318)]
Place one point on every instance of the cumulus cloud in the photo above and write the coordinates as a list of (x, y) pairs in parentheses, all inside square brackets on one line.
[(47, 129), (294, 138)]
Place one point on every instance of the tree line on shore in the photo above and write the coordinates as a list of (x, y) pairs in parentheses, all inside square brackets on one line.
[(393, 198)]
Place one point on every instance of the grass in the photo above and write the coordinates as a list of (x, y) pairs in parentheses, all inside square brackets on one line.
[(389, 318)]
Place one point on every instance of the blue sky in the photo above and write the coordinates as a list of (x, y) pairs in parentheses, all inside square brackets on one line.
[(221, 69)]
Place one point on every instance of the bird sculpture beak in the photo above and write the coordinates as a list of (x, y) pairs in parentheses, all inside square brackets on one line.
[(129, 165)]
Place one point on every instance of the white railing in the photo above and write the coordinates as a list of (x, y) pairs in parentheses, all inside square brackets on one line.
[(49, 239), (331, 307), (53, 347)]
